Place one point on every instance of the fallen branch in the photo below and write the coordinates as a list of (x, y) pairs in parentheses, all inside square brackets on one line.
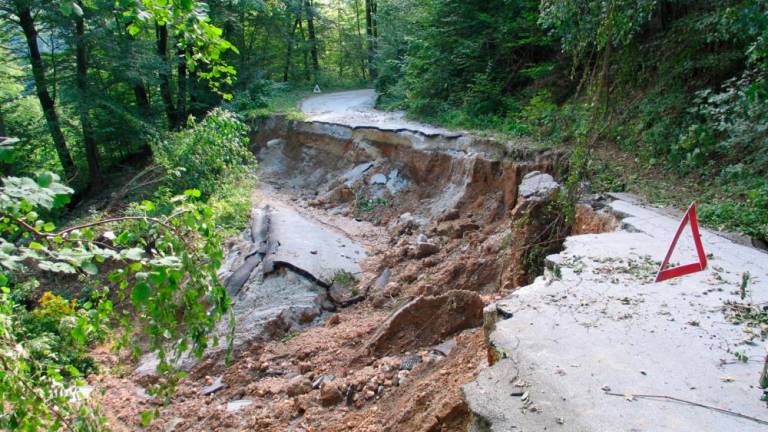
[(687, 402)]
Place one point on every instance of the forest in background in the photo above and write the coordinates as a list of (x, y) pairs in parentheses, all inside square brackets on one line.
[(129, 162), (678, 87)]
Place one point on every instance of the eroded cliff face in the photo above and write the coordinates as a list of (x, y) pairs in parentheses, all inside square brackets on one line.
[(360, 285)]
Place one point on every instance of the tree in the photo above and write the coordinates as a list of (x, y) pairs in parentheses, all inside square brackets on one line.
[(81, 50), (22, 10)]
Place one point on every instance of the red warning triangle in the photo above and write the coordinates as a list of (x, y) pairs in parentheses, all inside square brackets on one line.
[(669, 273)]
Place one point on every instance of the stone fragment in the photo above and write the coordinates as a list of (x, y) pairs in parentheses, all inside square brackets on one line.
[(377, 179), (237, 405), (215, 386), (298, 386), (426, 321), (322, 379)]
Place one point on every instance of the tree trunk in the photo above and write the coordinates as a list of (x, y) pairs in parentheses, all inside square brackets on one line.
[(359, 37), (304, 52), (341, 43), (2, 124), (41, 85), (289, 48), (312, 37), (161, 33), (370, 7), (142, 98), (81, 70), (181, 96)]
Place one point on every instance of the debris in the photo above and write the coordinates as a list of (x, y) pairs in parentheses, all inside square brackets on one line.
[(215, 386), (237, 405), (410, 362), (323, 379), (299, 385)]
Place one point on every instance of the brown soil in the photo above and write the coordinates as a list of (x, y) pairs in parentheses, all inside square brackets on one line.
[(429, 399), (388, 373)]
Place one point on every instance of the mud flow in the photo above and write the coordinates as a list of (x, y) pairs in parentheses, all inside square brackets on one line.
[(360, 284)]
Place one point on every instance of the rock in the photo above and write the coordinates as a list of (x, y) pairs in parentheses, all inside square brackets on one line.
[(377, 179), (352, 176), (170, 426), (457, 228), (277, 142), (407, 223), (409, 362), (427, 321), (298, 386), (322, 379), (395, 182), (215, 386), (237, 405), (382, 280), (449, 215), (402, 377), (446, 347), (423, 250), (334, 320), (537, 186)]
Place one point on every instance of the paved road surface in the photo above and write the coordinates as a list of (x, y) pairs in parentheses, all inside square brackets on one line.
[(356, 108)]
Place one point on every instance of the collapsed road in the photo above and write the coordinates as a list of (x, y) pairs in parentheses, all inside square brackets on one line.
[(388, 262)]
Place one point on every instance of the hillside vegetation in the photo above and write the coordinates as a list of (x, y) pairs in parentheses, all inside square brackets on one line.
[(678, 86)]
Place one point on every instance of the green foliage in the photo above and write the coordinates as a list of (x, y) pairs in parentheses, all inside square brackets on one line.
[(207, 153), (162, 263), (679, 85)]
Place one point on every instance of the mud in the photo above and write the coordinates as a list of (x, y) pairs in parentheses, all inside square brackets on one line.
[(360, 284)]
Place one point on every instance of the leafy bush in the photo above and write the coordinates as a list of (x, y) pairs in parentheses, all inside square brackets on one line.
[(163, 261), (206, 153)]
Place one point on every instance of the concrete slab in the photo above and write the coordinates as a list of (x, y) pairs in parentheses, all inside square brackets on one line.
[(309, 246), (598, 324), (356, 108)]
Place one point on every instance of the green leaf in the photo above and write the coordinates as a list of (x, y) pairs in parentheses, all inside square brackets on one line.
[(90, 268), (140, 293), (45, 179), (192, 193), (133, 29), (147, 417), (49, 226), (36, 246)]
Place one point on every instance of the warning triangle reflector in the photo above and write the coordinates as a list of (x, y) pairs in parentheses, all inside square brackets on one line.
[(682, 270)]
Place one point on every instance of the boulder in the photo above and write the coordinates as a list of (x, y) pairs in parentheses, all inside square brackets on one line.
[(299, 385), (330, 393), (426, 321)]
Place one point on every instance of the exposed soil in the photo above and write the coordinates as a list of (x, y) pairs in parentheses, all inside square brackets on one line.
[(392, 355)]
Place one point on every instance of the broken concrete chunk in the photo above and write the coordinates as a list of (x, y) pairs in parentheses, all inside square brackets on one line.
[(237, 405), (377, 179), (537, 186), (214, 387), (323, 379)]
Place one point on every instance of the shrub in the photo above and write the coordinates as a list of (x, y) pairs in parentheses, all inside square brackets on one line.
[(206, 153)]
